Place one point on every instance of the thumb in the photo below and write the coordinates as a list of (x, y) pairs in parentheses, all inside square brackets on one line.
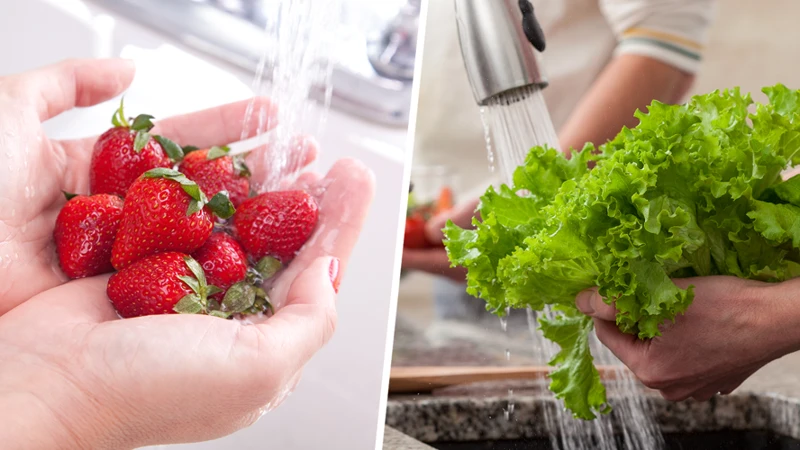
[(592, 304), (75, 83)]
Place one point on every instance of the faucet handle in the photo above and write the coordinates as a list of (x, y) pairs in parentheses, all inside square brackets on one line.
[(393, 52), (530, 26)]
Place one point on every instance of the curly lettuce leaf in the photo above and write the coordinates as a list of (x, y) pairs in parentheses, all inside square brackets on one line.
[(692, 190)]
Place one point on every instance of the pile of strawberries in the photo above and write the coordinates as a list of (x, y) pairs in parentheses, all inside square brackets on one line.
[(179, 226)]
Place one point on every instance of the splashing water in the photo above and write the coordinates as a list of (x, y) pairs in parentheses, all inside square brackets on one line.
[(298, 61), (513, 123)]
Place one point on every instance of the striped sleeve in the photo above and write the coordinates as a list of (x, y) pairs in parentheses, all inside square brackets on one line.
[(671, 31)]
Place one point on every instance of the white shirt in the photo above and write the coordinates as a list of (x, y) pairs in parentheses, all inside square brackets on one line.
[(582, 36)]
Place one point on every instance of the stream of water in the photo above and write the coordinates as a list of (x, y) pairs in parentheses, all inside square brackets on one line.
[(515, 122), (298, 58)]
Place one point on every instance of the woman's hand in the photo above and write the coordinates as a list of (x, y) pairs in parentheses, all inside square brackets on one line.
[(73, 375), (34, 169), (435, 260), (733, 328)]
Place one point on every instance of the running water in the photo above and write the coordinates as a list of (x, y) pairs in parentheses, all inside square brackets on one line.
[(295, 67), (298, 61), (514, 122)]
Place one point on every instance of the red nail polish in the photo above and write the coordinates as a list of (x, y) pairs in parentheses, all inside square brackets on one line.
[(333, 271)]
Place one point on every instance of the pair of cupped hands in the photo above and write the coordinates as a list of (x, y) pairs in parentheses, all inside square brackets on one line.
[(74, 375), (732, 329)]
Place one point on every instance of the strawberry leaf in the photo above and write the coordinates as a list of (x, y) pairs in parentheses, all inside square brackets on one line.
[(194, 206), (189, 148), (240, 167), (213, 290), (190, 304), (143, 122), (267, 267), (142, 138), (239, 298), (262, 303), (191, 282), (197, 271), (173, 150), (221, 205), (220, 314), (69, 195), (217, 152), (118, 119), (188, 186)]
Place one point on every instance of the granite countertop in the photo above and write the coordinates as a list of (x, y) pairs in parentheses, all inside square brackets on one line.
[(768, 399)]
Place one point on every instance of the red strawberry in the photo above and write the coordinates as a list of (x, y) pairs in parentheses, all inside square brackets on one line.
[(214, 171), (165, 211), (84, 234), (223, 262), (166, 283), (275, 224), (126, 151), (415, 233)]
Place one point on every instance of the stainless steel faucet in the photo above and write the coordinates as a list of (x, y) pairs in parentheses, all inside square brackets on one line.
[(373, 83), (393, 52), (498, 39)]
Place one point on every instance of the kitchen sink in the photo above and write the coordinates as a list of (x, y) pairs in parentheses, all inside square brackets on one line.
[(713, 440)]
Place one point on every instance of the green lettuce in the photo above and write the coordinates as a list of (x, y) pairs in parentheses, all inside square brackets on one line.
[(692, 190)]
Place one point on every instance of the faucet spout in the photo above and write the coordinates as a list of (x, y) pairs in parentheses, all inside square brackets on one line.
[(499, 39)]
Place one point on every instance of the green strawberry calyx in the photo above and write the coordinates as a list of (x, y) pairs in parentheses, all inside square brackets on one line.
[(266, 268), (69, 195), (239, 166), (242, 298), (217, 152), (220, 204), (141, 125), (173, 150), (197, 301)]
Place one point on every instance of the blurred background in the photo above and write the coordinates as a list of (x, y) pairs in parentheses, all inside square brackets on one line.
[(193, 55), (750, 45)]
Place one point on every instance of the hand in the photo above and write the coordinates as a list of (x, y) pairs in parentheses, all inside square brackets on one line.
[(435, 260), (72, 374), (35, 169), (732, 329)]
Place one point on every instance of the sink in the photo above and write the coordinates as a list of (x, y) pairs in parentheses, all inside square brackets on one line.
[(473, 422), (721, 440)]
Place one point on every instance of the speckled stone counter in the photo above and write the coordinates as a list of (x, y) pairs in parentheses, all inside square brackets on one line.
[(395, 440), (767, 401), (436, 419)]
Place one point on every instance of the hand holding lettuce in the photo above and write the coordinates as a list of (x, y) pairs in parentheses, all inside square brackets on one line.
[(693, 190)]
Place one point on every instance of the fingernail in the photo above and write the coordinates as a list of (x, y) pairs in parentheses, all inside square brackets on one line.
[(333, 271), (584, 302)]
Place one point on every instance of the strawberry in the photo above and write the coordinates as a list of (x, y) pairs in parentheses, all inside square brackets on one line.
[(415, 233), (275, 224), (126, 151), (223, 262), (165, 211), (84, 234), (215, 171), (166, 283)]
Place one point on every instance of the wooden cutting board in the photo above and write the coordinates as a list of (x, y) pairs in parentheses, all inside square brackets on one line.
[(415, 380)]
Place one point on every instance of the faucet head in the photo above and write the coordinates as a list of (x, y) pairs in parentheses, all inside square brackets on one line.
[(498, 39)]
